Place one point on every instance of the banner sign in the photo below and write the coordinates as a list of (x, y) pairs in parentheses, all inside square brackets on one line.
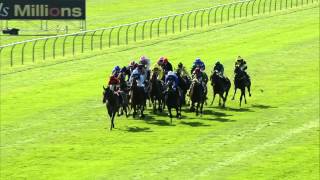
[(42, 9)]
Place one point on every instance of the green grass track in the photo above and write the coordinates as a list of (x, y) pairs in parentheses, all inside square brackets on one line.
[(54, 125)]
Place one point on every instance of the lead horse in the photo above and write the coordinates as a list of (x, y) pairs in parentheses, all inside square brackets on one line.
[(112, 101), (221, 86), (241, 81)]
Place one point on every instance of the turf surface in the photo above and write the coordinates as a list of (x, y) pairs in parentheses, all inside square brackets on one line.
[(54, 126)]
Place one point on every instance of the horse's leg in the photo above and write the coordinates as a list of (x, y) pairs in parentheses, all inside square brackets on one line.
[(249, 86), (214, 96), (197, 109), (170, 114), (201, 108), (235, 91), (142, 109), (134, 111), (241, 96), (244, 95), (219, 99)]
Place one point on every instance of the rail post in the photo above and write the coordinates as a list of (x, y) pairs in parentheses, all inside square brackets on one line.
[(221, 18), (234, 10), (101, 36), (203, 11), (181, 22), (82, 42), (54, 48), (22, 56), (44, 49), (252, 8), (159, 26), (166, 25), (74, 44), (259, 6), (135, 32), (242, 3), (247, 5), (33, 49), (215, 15), (118, 35), (173, 23), (127, 34), (64, 45), (92, 36), (209, 15), (151, 26), (188, 17), (270, 5), (110, 33), (229, 11), (264, 6), (143, 26), (11, 57), (195, 19)]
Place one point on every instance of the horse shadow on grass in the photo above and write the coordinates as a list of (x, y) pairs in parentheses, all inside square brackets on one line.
[(261, 106), (194, 124), (136, 129)]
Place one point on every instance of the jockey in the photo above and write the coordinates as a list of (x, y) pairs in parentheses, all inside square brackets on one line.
[(140, 74), (146, 63), (132, 66), (182, 70), (165, 64), (198, 64), (158, 70), (116, 71), (114, 83), (202, 77), (172, 76), (241, 63), (219, 68)]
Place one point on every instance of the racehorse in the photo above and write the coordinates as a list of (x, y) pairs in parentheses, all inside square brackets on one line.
[(172, 100), (221, 86), (138, 98), (184, 84), (156, 93), (112, 101), (197, 96), (241, 81), (124, 92)]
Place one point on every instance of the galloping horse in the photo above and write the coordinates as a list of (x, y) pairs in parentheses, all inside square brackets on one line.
[(221, 86), (172, 100), (156, 93), (138, 98), (241, 81), (112, 101), (184, 84), (197, 96)]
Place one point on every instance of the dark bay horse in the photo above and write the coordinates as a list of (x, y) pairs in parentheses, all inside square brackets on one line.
[(156, 93), (184, 84), (197, 96), (137, 98), (124, 92), (172, 100), (221, 86), (112, 101), (241, 81)]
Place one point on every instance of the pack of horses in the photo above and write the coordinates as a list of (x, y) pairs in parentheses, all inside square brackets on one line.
[(162, 96)]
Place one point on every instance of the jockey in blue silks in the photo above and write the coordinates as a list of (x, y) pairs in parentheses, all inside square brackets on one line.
[(172, 76)]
